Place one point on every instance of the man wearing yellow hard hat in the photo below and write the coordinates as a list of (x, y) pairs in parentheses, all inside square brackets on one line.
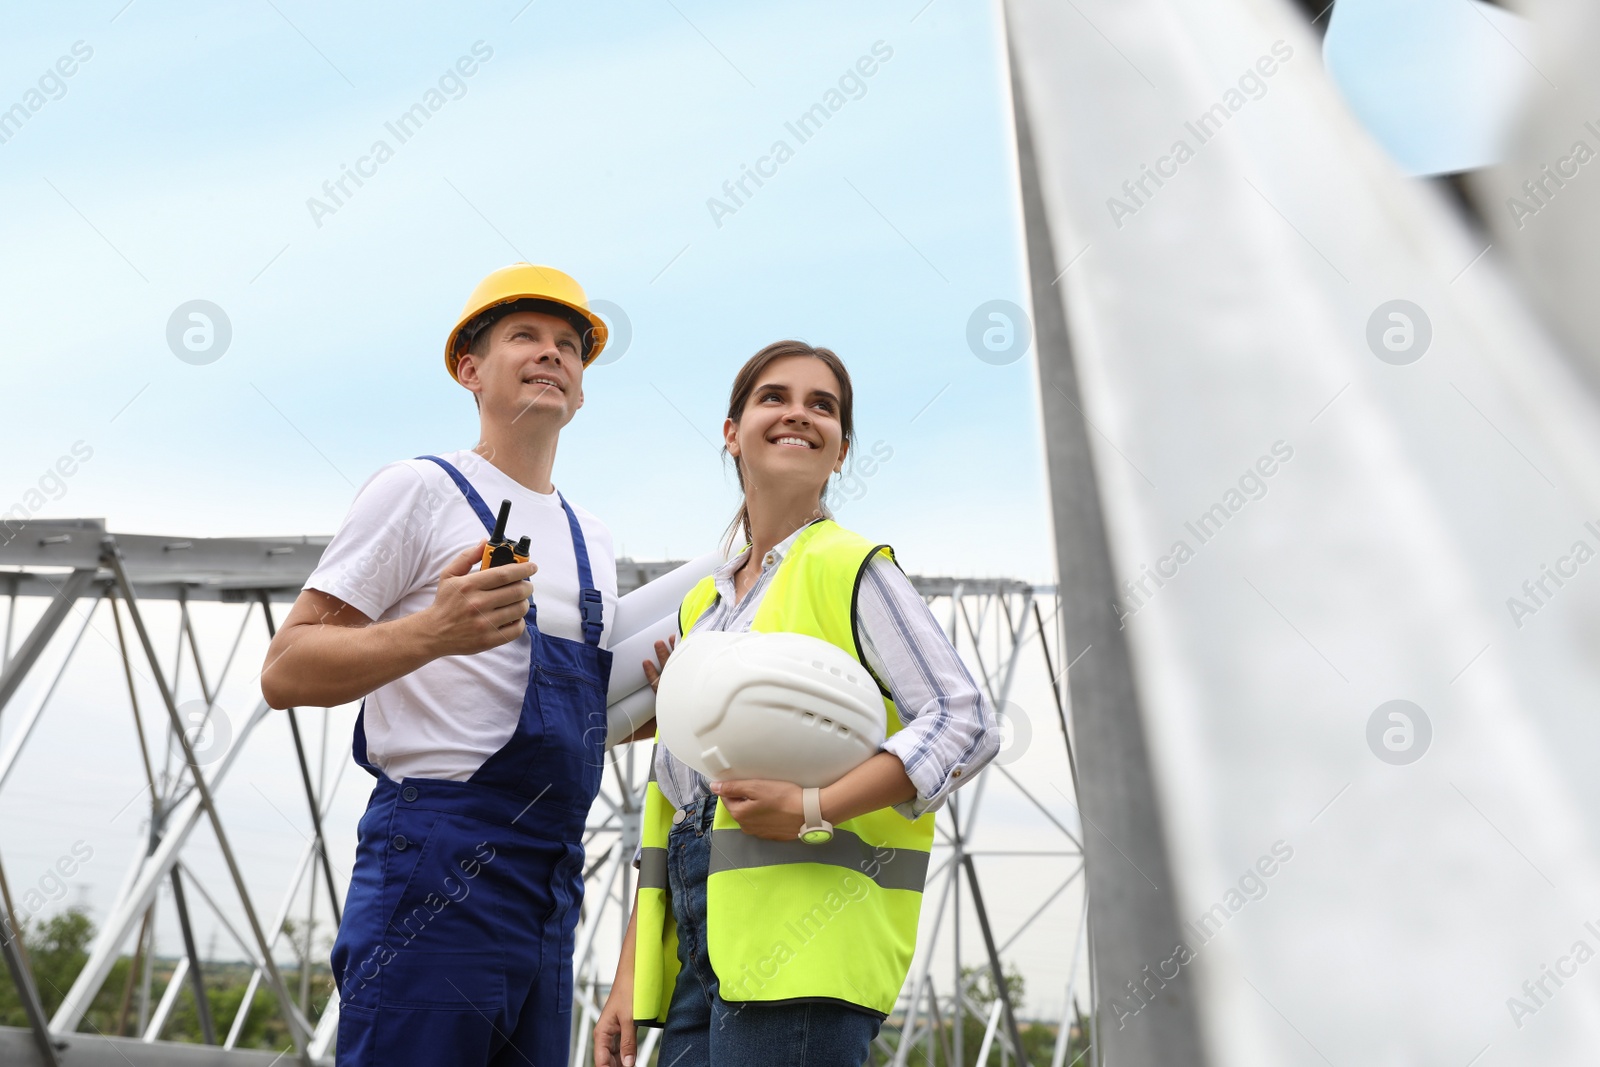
[(483, 702)]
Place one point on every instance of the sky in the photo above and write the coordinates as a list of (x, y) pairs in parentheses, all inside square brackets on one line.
[(1432, 80), (178, 163), (179, 160)]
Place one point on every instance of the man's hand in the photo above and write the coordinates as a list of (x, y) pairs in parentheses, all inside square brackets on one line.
[(328, 653), (763, 808), (476, 610)]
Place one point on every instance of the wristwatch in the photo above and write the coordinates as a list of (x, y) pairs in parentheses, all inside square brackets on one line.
[(816, 829)]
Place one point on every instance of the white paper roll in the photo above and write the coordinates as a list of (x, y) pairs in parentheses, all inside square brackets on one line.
[(628, 714), (651, 601), (628, 657), (645, 616)]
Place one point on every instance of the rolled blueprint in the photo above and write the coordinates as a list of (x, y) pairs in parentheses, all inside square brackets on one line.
[(629, 713), (645, 616), (651, 601), (628, 657)]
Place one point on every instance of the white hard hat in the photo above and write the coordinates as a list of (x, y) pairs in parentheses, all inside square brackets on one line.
[(782, 706)]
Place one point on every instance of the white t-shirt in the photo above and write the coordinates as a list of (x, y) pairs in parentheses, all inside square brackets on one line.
[(446, 718)]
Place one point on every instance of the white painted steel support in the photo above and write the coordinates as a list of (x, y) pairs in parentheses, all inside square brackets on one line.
[(152, 870), (66, 597), (169, 997), (111, 558)]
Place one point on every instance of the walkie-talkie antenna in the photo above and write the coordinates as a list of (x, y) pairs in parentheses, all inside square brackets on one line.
[(497, 551)]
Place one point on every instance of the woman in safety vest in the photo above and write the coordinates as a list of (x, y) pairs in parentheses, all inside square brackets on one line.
[(775, 925)]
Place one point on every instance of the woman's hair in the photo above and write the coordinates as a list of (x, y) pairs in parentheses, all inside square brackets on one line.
[(745, 382)]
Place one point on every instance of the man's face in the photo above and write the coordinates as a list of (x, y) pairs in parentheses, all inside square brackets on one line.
[(532, 368)]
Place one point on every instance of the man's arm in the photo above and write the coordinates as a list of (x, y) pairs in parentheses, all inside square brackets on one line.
[(329, 653)]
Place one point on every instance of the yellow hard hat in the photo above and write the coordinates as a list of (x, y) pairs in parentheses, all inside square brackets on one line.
[(524, 281)]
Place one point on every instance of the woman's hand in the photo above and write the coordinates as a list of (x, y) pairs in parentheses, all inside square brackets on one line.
[(651, 673), (764, 808), (773, 810), (614, 1043)]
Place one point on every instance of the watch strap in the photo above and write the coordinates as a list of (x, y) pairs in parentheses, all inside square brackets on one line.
[(811, 807)]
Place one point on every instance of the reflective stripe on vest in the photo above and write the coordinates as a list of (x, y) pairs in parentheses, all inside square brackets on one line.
[(787, 920), (656, 966), (653, 868), (891, 868)]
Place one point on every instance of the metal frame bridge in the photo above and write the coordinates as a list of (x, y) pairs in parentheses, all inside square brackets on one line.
[(127, 588)]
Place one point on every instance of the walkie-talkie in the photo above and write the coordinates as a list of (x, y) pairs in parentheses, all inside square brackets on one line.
[(499, 551)]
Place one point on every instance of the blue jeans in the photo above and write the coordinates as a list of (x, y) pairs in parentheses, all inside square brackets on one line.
[(703, 1030)]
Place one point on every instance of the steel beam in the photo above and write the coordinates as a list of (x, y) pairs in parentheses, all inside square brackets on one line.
[(305, 779), (169, 999), (92, 1050), (76, 543), (113, 560), (28, 994), (923, 980), (1134, 917), (197, 976), (234, 569), (65, 595), (1001, 990), (241, 590), (144, 880), (307, 858), (11, 620)]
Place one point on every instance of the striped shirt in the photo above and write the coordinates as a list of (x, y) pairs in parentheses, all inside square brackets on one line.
[(948, 727)]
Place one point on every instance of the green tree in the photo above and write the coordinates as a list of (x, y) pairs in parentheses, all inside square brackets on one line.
[(58, 947), (1038, 1039)]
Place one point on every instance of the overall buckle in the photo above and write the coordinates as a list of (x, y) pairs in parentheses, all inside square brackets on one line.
[(592, 608)]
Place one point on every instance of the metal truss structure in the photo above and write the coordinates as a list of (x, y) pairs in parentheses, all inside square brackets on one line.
[(76, 565)]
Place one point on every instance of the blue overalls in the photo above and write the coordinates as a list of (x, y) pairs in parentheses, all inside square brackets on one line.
[(457, 940)]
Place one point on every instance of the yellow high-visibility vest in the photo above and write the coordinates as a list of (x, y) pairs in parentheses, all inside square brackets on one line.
[(787, 920)]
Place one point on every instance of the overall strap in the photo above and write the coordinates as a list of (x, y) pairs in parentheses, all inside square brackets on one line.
[(484, 514), (358, 744), (589, 602)]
